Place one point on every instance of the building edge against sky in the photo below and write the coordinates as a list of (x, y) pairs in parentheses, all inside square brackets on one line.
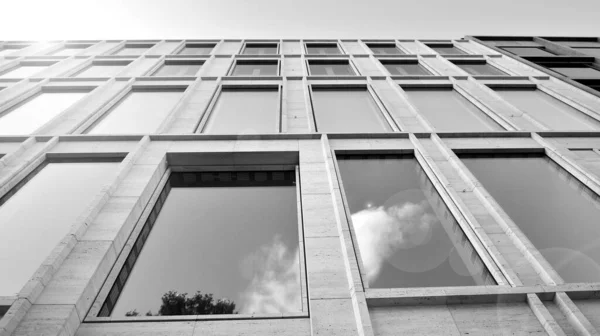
[(461, 196)]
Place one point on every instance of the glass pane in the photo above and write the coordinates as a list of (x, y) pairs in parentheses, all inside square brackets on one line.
[(406, 69), (260, 49), (323, 50), (447, 50), (39, 215), (405, 233), (178, 70), (347, 110), (250, 233), (529, 51), (331, 69), (254, 69), (447, 110), (244, 112), (100, 70), (548, 110), (34, 112), (132, 51), (555, 211), (23, 71), (137, 112), (481, 69), (196, 50), (583, 72), (595, 52), (385, 50)]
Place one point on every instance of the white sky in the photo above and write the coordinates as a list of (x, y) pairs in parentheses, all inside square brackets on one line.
[(160, 19)]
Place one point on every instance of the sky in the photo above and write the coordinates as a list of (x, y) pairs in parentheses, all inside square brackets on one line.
[(200, 19)]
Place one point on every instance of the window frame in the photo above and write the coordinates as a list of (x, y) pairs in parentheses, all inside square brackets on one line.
[(253, 60), (146, 45), (332, 61), (504, 48), (265, 44), (79, 46), (111, 277), (456, 62), (192, 45), (371, 45), (24, 63), (210, 109), (416, 61), (100, 62), (432, 45), (323, 44), (175, 61)]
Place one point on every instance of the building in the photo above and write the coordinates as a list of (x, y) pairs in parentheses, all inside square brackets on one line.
[(312, 187)]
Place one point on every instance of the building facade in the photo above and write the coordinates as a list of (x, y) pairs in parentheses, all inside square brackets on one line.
[(296, 187)]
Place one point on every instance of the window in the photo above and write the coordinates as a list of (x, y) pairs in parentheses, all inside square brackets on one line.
[(40, 211), (322, 49), (244, 111), (555, 211), (197, 49), (330, 68), (448, 111), (577, 72), (384, 49), (31, 114), (479, 69), (260, 49), (24, 70), (583, 44), (594, 52), (255, 68), (100, 69), (140, 111), (70, 50), (404, 68), (246, 221), (406, 235), (172, 68), (347, 110), (523, 51), (133, 49), (446, 49), (547, 109)]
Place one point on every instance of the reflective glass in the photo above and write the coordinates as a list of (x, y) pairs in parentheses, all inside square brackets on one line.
[(178, 70), (232, 235), (548, 110), (33, 113), (196, 50), (39, 215), (347, 110), (406, 69), (595, 52), (442, 50), (554, 210), (23, 71), (529, 51), (480, 69), (448, 110), (384, 49), (331, 69), (254, 69), (323, 49), (101, 70), (132, 50), (137, 112), (240, 111), (583, 72), (260, 49), (406, 235)]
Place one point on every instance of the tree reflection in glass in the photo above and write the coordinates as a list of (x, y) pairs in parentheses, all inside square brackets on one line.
[(405, 233)]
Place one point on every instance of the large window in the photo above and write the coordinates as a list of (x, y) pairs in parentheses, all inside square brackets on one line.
[(555, 211), (448, 111), (547, 109), (31, 114), (102, 69), (330, 68), (133, 49), (37, 214), (197, 49), (446, 49), (322, 49), (232, 235), (479, 69), (405, 68), (245, 110), (23, 70), (260, 49), (577, 72), (528, 51), (255, 68), (406, 235), (173, 68), (384, 49), (351, 110), (140, 111)]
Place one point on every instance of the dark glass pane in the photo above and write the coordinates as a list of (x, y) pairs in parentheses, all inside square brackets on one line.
[(595, 52), (177, 70), (447, 50), (480, 69), (331, 69), (189, 50), (244, 112), (406, 69), (238, 243), (405, 233), (548, 110), (39, 215), (260, 49), (529, 51), (344, 110), (447, 110), (254, 69), (583, 72), (385, 50), (323, 49), (555, 211)]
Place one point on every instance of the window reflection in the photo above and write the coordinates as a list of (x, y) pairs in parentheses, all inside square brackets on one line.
[(331, 68), (384, 49), (322, 49), (406, 235), (405, 69), (197, 49), (260, 49), (230, 234), (255, 68), (480, 69)]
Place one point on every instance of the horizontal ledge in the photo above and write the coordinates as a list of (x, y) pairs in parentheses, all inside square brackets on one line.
[(179, 318)]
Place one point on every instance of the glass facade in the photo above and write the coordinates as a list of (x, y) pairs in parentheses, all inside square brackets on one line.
[(330, 68), (529, 51), (406, 69), (581, 72), (260, 49), (41, 212), (255, 68), (197, 49), (446, 49), (384, 49), (34, 112), (480, 69), (322, 49)]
